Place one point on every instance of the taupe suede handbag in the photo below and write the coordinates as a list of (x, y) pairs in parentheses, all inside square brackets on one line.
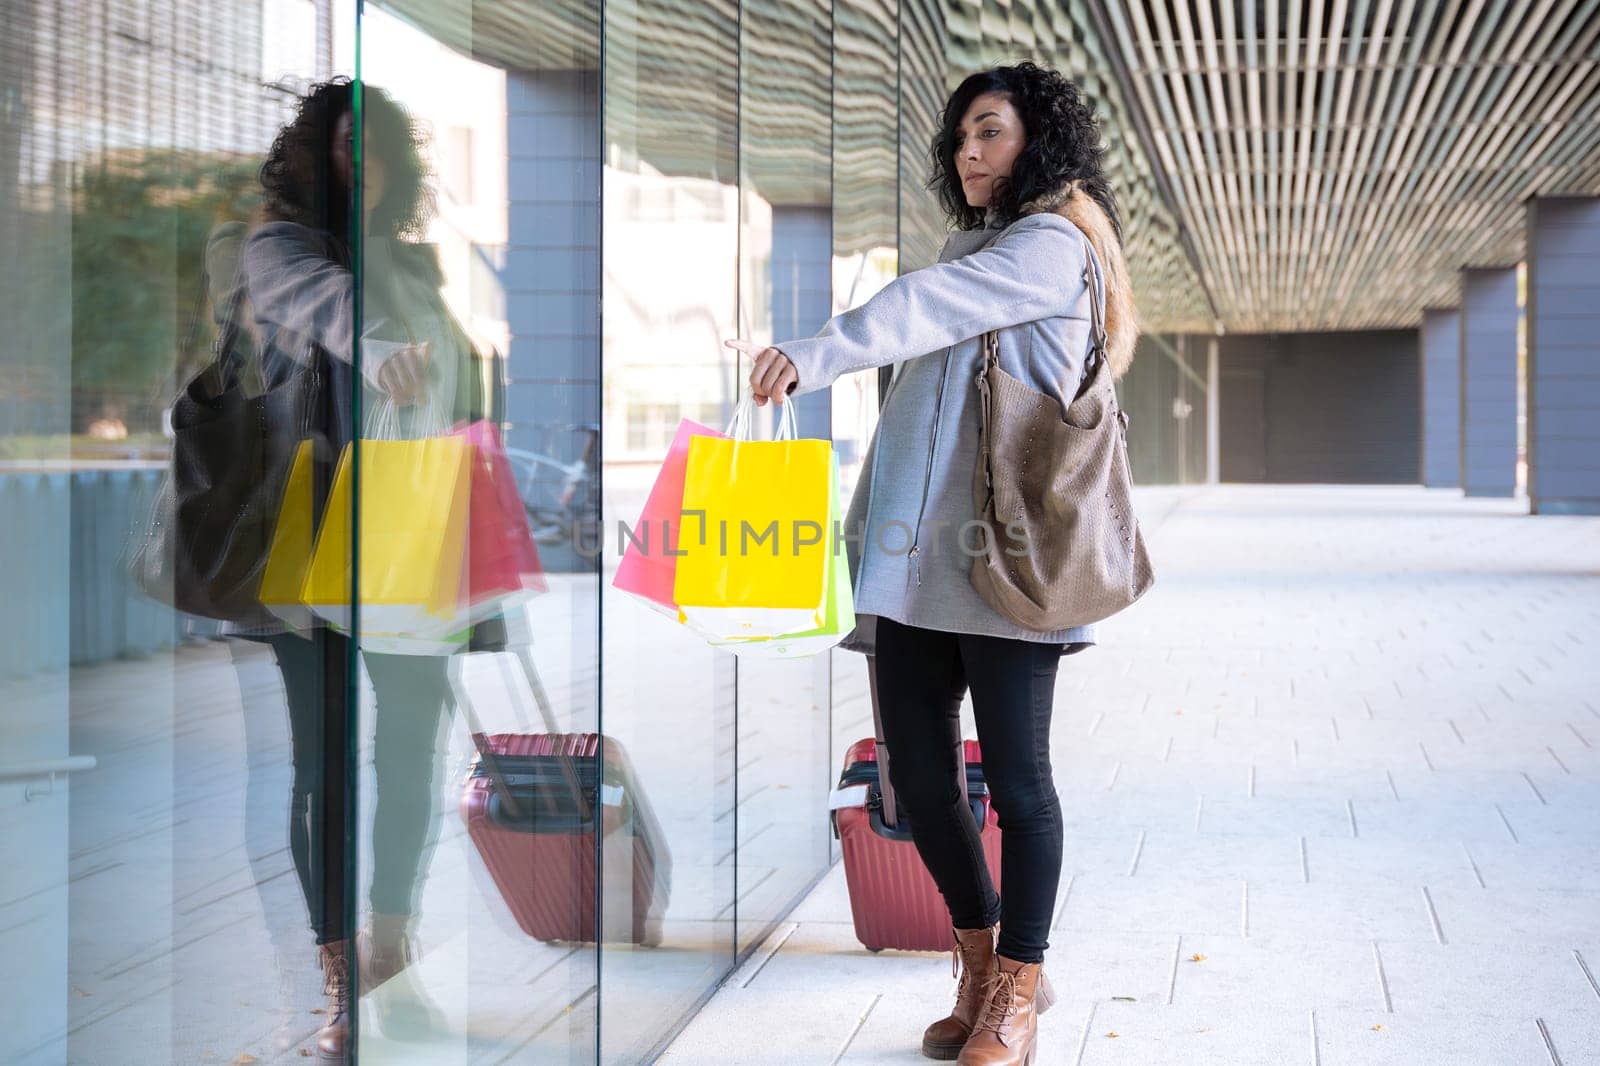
[(1064, 548)]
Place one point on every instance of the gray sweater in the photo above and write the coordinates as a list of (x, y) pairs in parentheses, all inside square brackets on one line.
[(1028, 281)]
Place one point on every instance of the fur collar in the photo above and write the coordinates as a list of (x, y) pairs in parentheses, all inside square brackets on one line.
[(1122, 318)]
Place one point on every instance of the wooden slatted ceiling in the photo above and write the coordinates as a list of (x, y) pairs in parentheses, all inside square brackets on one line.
[(1282, 165), (1336, 162)]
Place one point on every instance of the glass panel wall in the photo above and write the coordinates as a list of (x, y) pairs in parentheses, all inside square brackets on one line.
[(160, 895), (866, 257), (507, 267), (670, 259), (784, 292), (479, 782)]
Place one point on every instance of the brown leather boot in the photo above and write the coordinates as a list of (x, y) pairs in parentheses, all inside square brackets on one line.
[(386, 954), (333, 1037), (384, 949), (973, 958), (1006, 1033)]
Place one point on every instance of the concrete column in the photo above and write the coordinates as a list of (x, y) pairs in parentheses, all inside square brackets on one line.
[(1563, 334), (802, 294), (1489, 381), (551, 269), (1441, 398), (1213, 413)]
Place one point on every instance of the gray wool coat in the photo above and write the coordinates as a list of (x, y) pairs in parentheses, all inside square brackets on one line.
[(1029, 281)]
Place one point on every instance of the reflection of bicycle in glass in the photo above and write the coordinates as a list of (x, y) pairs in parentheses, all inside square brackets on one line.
[(562, 498)]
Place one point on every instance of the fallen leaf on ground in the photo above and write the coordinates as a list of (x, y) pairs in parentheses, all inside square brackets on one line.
[(305, 1053), (1375, 1028), (1197, 957), (1124, 999), (318, 1010), (1112, 1036), (244, 1058)]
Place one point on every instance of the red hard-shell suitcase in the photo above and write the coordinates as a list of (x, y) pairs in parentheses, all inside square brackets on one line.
[(893, 899), (529, 806)]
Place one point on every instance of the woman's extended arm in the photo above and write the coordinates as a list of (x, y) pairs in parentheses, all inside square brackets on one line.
[(1031, 272), (296, 286)]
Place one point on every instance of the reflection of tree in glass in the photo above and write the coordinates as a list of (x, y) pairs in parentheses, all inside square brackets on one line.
[(139, 227)]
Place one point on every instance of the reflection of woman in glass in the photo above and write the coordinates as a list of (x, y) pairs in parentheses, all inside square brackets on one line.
[(1017, 166), (419, 368)]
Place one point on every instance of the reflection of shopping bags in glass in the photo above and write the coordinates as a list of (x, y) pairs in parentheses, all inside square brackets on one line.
[(648, 566), (502, 561), (756, 535), (283, 577), (839, 616), (413, 521)]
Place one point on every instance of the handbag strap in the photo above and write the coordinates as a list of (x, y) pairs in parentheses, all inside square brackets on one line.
[(1097, 301), (990, 346), (1096, 282)]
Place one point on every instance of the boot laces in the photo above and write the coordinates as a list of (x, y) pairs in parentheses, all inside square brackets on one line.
[(336, 986), (336, 975), (1000, 1005), (959, 967)]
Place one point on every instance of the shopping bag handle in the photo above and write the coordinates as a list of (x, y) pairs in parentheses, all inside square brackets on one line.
[(383, 419), (739, 428)]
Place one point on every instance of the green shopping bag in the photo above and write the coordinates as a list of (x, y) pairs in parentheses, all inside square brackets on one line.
[(839, 615)]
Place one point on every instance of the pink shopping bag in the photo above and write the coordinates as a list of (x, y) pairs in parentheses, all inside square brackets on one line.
[(502, 559), (647, 567)]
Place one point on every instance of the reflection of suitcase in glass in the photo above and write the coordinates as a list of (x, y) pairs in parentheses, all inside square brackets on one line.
[(893, 899), (529, 806)]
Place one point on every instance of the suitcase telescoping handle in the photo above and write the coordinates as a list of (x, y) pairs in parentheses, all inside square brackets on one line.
[(491, 763), (891, 814)]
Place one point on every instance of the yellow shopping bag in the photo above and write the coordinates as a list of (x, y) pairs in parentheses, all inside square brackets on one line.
[(289, 555), (413, 522), (755, 533), (839, 615)]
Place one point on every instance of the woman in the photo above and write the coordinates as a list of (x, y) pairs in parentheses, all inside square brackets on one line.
[(1017, 164), (419, 370)]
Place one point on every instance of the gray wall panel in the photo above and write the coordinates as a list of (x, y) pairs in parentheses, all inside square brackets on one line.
[(1243, 431), (801, 276), (1564, 355), (551, 267), (1489, 381), (1344, 408), (1321, 407), (1441, 398)]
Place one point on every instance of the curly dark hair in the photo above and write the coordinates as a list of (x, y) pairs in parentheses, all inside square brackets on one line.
[(299, 179), (1063, 144)]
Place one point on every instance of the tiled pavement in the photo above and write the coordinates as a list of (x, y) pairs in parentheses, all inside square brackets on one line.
[(1331, 798)]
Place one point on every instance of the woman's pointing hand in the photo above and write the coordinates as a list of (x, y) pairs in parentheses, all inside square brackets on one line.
[(773, 376)]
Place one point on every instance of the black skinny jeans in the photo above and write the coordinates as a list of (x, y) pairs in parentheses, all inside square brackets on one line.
[(414, 702), (922, 676)]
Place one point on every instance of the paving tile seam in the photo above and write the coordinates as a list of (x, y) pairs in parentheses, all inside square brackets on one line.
[(1549, 1045), (1083, 1037), (1383, 979), (856, 1030), (1588, 975), (1433, 915), (772, 954)]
